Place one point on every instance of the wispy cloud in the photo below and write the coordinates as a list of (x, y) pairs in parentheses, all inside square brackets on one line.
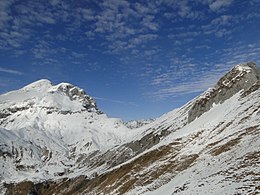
[(219, 4), (129, 31), (199, 84), (11, 71), (5, 12), (119, 25), (123, 25), (116, 101), (182, 10), (172, 83)]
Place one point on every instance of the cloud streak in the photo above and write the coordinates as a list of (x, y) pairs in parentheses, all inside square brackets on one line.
[(219, 4), (188, 76), (116, 101), (11, 71), (176, 38)]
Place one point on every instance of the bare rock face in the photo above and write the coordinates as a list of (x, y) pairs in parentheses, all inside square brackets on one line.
[(134, 124), (75, 93), (241, 77)]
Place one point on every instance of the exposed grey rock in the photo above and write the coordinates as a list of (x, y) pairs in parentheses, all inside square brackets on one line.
[(7, 112), (75, 93), (133, 124), (123, 153), (3, 114), (254, 87), (241, 77)]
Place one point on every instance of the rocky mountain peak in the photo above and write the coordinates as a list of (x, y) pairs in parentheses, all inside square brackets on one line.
[(43, 95), (240, 77), (75, 93)]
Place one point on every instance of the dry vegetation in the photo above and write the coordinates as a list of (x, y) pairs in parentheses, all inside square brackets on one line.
[(225, 147), (119, 180)]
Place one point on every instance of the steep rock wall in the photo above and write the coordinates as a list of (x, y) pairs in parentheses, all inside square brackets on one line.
[(241, 77)]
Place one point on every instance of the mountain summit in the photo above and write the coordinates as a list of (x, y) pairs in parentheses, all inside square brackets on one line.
[(241, 77), (45, 129), (54, 140), (44, 94)]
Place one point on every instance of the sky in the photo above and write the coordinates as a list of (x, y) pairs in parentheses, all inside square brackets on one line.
[(138, 59)]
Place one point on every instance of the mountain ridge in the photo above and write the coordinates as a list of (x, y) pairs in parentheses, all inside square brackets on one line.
[(86, 152), (242, 76)]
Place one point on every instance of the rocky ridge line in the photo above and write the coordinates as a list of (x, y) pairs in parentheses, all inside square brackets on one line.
[(241, 77)]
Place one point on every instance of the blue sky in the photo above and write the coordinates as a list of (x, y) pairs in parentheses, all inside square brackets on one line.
[(138, 59)]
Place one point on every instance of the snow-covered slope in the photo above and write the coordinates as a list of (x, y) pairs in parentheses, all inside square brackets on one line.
[(46, 129), (209, 146)]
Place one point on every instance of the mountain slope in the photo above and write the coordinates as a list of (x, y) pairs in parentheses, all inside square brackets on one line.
[(208, 146), (45, 129)]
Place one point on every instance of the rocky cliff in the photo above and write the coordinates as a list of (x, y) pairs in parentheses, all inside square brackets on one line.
[(241, 77)]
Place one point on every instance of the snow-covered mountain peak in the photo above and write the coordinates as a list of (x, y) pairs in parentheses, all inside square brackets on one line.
[(242, 73), (240, 78), (248, 67), (40, 85), (48, 126), (75, 93), (43, 94)]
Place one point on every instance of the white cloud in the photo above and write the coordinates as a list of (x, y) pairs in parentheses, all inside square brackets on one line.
[(12, 39), (223, 32), (143, 38), (120, 26), (202, 83), (142, 9), (219, 4), (221, 26), (184, 9), (222, 20), (5, 16), (87, 14), (17, 24), (187, 77), (11, 71), (148, 21), (181, 9), (185, 34), (78, 55), (116, 101), (42, 50), (54, 2)]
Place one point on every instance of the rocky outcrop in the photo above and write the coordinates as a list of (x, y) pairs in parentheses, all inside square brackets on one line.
[(241, 77), (133, 124), (254, 87), (75, 93)]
